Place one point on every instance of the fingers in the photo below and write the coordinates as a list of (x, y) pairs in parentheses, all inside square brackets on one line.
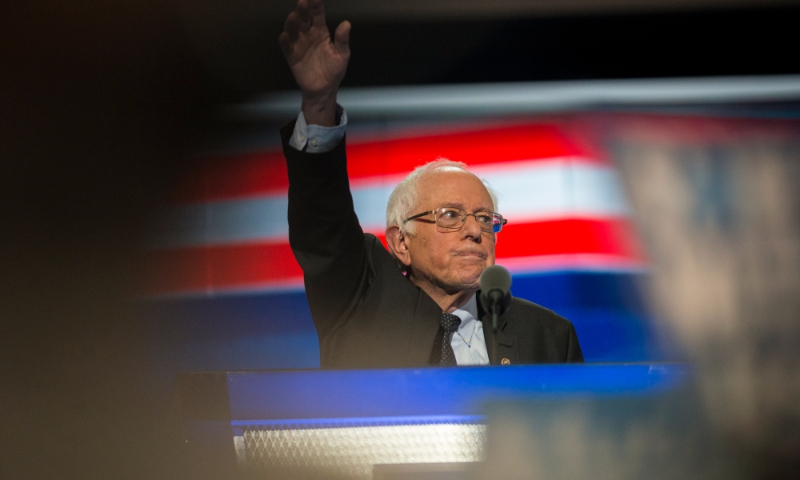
[(317, 12), (311, 14), (303, 13), (292, 27), (308, 15), (285, 43), (342, 38)]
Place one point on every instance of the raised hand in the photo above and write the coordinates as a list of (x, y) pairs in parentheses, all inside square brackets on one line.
[(318, 64)]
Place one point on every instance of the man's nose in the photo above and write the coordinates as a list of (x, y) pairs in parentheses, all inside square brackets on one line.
[(472, 228)]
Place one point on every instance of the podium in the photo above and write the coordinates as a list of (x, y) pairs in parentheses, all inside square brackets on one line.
[(409, 423)]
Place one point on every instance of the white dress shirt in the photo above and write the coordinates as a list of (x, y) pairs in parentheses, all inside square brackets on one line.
[(468, 341), (317, 139)]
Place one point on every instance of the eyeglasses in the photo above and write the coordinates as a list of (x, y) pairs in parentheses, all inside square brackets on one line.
[(451, 218)]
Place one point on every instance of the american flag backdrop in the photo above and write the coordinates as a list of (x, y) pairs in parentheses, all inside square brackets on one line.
[(225, 291)]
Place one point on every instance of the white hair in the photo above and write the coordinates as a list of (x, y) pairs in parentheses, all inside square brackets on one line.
[(404, 195)]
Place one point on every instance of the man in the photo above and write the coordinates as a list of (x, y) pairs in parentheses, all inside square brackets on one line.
[(416, 305)]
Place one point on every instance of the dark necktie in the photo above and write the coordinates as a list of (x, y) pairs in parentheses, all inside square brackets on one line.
[(449, 323)]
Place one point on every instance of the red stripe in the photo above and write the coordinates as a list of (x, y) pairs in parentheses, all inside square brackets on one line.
[(206, 268), (556, 237), (613, 237), (265, 173), (474, 147), (203, 269), (235, 176)]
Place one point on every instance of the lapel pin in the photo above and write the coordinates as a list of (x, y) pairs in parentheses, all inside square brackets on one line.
[(505, 361)]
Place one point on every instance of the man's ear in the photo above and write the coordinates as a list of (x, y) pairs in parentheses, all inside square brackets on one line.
[(397, 244)]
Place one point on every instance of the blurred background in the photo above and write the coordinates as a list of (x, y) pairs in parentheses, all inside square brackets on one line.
[(646, 154)]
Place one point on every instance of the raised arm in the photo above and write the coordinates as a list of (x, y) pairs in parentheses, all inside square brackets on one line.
[(324, 233), (318, 64)]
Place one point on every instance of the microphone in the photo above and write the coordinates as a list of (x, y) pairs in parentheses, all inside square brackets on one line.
[(495, 291)]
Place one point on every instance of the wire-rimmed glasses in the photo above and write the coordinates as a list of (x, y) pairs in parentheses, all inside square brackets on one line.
[(452, 218)]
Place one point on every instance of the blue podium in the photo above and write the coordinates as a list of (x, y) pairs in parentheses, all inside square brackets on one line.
[(365, 423)]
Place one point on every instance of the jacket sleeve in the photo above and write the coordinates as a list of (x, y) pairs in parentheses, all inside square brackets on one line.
[(574, 353), (324, 232)]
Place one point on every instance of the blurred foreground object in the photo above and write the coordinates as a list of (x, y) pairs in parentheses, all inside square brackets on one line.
[(614, 438), (717, 203)]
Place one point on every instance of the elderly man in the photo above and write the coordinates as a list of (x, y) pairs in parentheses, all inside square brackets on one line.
[(416, 305)]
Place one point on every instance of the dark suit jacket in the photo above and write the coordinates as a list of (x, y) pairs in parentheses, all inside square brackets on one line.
[(367, 313)]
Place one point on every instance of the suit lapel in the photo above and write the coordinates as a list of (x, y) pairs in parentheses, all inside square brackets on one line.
[(424, 327), (505, 342)]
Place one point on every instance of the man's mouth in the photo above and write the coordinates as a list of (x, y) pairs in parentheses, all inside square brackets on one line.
[(470, 253)]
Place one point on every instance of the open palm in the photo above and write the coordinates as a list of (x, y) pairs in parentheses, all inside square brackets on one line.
[(317, 63)]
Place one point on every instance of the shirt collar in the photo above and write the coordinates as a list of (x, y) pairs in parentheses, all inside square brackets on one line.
[(468, 312)]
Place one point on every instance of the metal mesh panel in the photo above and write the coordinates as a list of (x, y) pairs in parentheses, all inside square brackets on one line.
[(352, 451)]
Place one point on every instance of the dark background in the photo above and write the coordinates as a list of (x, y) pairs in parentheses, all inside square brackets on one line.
[(101, 105)]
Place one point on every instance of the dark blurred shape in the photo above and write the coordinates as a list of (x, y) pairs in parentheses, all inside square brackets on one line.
[(396, 43), (99, 102)]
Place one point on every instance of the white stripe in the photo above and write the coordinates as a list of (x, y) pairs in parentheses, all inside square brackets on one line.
[(223, 222), (577, 262), (528, 191), (290, 285), (534, 97), (541, 190)]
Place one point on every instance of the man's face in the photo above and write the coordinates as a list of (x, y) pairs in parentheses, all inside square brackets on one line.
[(451, 260)]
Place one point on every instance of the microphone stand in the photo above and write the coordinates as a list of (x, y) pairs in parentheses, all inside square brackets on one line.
[(496, 298), (495, 344)]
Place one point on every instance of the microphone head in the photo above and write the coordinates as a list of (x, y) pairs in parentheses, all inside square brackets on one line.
[(496, 278), (495, 288)]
